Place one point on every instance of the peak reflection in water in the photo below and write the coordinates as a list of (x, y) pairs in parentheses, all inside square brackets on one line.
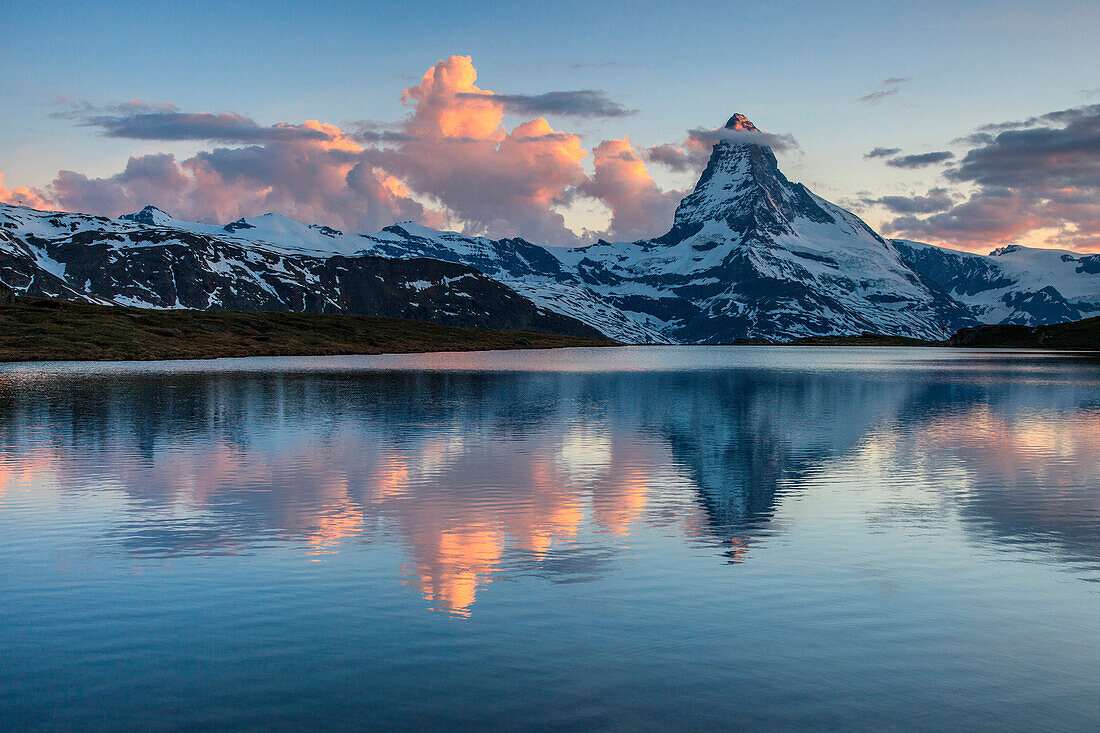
[(478, 475)]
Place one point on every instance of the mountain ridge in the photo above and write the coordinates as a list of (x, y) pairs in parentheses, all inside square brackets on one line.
[(749, 254)]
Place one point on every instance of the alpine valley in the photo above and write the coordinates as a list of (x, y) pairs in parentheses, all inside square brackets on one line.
[(749, 255)]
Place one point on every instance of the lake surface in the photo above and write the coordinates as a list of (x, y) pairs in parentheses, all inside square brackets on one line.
[(630, 539)]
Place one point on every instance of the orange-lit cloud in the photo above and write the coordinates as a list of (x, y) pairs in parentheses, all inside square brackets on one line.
[(638, 207), (451, 162), (22, 196), (456, 149)]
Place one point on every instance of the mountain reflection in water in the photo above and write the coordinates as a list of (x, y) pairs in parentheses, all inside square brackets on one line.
[(478, 475)]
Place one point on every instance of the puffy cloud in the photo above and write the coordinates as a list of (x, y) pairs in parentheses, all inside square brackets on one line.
[(621, 181), (322, 180), (450, 162), (146, 178), (679, 159), (448, 104), (457, 151), (1033, 182), (22, 196)]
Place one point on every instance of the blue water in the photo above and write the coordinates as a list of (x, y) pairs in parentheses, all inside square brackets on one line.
[(629, 539)]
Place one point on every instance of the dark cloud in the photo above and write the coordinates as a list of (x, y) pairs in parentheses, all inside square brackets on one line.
[(228, 128), (1056, 150), (580, 103), (936, 200), (975, 138), (137, 120), (983, 221), (373, 132), (920, 160), (595, 65), (878, 96), (881, 152), (888, 88), (675, 157), (1034, 181)]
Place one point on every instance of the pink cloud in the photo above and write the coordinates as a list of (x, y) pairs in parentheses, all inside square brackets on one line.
[(451, 160), (638, 207), (318, 180), (457, 150), (22, 196), (1035, 182)]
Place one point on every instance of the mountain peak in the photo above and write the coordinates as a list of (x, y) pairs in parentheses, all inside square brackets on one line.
[(150, 215), (741, 122), (743, 186)]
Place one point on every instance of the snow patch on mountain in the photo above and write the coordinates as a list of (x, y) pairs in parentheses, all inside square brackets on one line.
[(1014, 284)]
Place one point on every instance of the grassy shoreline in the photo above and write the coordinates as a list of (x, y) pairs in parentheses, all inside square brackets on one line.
[(1083, 335), (46, 329), (42, 329)]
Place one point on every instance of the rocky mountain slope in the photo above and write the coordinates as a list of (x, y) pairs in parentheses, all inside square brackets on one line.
[(150, 260), (749, 255), (1014, 284)]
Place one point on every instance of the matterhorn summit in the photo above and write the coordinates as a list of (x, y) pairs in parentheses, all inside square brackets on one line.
[(743, 186), (752, 255)]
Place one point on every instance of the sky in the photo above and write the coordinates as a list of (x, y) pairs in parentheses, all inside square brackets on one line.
[(972, 125)]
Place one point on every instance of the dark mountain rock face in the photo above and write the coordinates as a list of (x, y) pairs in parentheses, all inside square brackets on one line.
[(169, 268), (743, 187), (1013, 284)]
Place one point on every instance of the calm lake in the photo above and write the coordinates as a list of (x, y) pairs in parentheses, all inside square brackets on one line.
[(629, 538)]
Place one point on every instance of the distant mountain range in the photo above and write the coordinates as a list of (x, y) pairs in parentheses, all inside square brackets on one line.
[(749, 255)]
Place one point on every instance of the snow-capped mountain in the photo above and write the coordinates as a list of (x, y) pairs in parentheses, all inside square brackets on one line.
[(749, 255), (150, 260), (1013, 284)]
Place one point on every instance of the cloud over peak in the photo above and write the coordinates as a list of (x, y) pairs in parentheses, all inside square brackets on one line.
[(692, 154)]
